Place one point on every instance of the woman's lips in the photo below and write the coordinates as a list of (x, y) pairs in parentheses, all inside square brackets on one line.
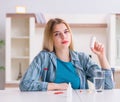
[(64, 42)]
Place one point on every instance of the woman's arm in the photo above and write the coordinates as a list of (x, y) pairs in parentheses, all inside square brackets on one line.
[(99, 50), (31, 81)]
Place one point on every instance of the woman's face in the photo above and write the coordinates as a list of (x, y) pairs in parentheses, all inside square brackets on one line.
[(61, 36)]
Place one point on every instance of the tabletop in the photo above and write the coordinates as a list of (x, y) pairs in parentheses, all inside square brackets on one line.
[(15, 95)]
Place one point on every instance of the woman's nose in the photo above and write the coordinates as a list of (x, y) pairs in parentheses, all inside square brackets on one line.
[(62, 35)]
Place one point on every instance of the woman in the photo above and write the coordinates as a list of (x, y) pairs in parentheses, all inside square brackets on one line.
[(58, 64)]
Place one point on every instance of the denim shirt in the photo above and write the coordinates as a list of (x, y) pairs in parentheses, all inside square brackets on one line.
[(37, 79)]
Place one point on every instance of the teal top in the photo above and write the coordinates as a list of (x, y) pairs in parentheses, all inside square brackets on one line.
[(65, 72)]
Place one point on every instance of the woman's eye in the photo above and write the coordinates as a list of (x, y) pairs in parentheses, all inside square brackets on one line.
[(57, 34), (66, 31)]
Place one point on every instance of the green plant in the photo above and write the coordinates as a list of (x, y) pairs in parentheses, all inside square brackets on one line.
[(2, 68), (2, 43)]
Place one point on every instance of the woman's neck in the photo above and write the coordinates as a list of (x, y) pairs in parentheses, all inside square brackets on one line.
[(63, 55)]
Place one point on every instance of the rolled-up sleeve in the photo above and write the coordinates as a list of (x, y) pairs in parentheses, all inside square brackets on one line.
[(31, 80), (109, 83)]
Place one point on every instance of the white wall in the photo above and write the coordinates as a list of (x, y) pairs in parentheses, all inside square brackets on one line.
[(56, 7)]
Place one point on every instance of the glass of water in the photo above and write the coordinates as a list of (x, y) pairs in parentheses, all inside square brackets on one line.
[(99, 80)]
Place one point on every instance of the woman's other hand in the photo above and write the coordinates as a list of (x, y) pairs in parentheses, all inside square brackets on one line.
[(54, 86)]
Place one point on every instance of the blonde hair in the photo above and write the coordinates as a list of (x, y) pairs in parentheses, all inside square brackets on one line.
[(48, 34)]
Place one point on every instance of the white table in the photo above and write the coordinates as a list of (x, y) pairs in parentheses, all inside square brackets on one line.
[(14, 95), (105, 96)]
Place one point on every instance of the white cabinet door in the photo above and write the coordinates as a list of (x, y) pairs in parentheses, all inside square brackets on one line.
[(114, 40)]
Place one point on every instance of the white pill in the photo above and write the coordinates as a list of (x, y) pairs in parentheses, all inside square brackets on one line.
[(92, 42)]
